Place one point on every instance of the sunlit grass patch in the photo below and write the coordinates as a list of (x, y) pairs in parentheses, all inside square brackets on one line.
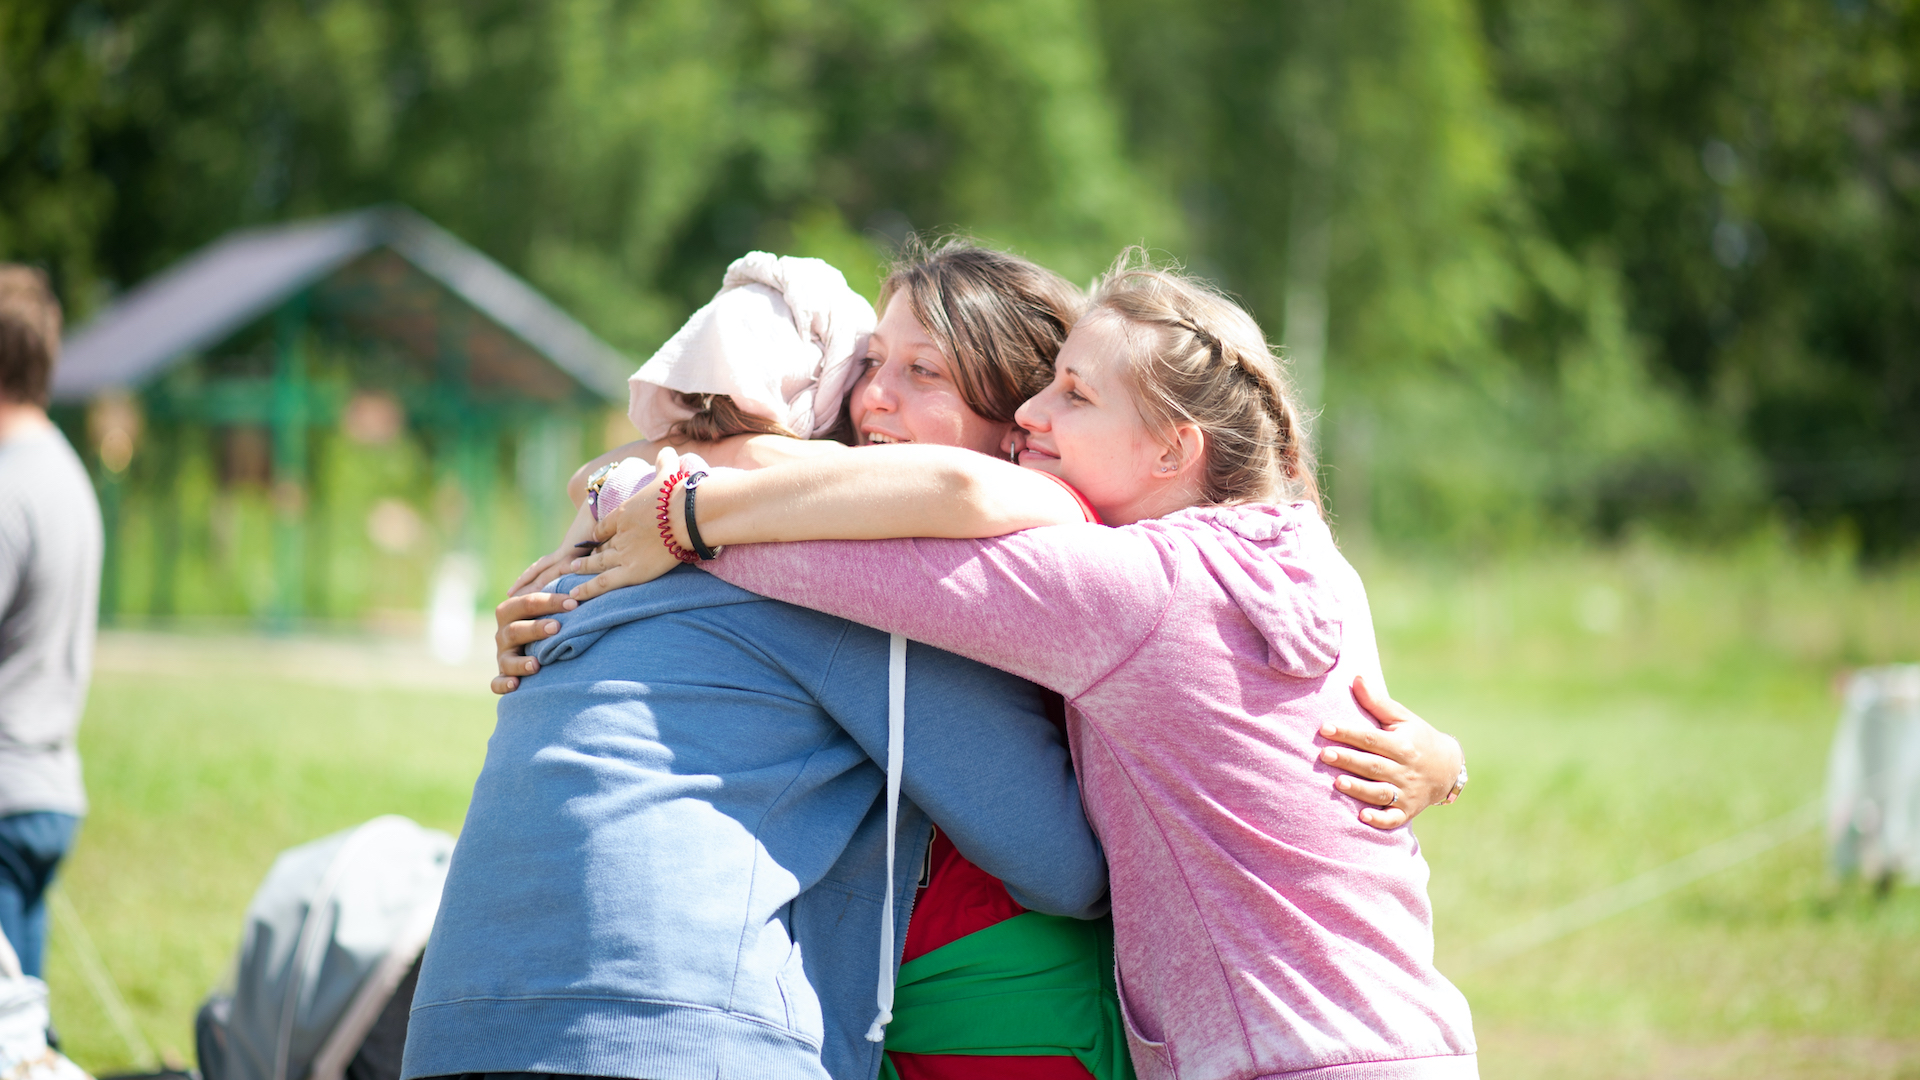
[(196, 785)]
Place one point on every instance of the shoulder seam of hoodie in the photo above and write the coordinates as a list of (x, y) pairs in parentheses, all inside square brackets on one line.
[(1173, 590)]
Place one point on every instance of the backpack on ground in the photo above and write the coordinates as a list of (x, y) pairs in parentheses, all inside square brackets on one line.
[(324, 977)]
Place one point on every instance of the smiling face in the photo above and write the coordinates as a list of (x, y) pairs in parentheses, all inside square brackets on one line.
[(906, 391), (1086, 429)]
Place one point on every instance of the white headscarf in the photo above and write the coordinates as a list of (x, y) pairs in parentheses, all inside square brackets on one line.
[(782, 337)]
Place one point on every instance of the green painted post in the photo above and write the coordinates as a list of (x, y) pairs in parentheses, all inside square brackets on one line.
[(165, 449), (289, 459), (479, 458), (106, 488)]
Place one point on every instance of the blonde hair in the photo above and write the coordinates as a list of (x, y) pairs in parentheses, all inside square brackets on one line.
[(1196, 357)]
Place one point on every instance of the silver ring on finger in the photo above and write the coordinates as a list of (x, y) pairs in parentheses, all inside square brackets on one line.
[(1396, 797)]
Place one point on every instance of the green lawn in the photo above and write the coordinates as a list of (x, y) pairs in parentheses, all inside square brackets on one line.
[(197, 782), (1696, 702), (1620, 710)]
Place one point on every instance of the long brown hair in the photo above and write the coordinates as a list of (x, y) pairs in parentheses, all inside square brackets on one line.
[(999, 318)]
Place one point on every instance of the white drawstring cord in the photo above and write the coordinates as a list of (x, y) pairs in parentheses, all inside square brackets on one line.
[(896, 742)]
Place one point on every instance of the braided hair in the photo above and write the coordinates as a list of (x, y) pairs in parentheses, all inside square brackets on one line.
[(1199, 358)]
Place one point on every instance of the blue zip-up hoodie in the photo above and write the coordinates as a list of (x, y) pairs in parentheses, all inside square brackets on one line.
[(674, 864)]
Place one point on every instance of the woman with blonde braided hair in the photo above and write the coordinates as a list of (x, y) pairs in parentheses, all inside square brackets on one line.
[(1200, 359), (1205, 639)]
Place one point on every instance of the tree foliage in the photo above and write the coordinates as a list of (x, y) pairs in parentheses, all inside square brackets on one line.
[(1544, 265)]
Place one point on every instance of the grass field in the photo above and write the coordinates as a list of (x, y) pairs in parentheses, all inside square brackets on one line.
[(1621, 710)]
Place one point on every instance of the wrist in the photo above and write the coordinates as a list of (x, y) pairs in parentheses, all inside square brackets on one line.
[(670, 486), (1460, 778), (677, 517), (720, 510)]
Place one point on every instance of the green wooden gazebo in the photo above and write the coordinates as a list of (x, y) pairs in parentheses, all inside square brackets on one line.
[(467, 350)]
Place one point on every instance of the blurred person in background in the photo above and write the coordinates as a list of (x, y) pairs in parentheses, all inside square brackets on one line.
[(50, 549)]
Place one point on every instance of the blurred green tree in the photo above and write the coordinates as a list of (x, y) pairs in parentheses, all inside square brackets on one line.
[(1752, 169), (619, 154), (1546, 266), (55, 61), (1350, 171)]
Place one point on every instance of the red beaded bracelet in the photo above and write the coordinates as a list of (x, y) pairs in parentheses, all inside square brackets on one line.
[(666, 520)]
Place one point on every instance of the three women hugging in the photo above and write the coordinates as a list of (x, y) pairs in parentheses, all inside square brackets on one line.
[(1026, 742)]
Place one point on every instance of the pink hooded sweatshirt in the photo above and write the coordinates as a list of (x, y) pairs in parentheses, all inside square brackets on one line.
[(1261, 929)]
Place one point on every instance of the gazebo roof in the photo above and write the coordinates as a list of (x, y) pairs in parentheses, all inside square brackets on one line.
[(382, 273)]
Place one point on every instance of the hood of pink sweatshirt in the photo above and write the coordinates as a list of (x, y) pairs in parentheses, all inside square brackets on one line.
[(1270, 561)]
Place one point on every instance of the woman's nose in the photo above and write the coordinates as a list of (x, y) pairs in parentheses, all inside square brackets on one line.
[(1030, 415), (878, 394)]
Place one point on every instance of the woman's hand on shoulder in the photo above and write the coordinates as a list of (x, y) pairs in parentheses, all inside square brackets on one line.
[(630, 550), (1400, 768), (519, 623)]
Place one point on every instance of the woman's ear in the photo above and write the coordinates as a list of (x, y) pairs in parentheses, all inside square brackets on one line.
[(1180, 455)]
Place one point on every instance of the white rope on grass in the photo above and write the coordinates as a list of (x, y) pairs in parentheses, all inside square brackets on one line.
[(100, 981), (1645, 888)]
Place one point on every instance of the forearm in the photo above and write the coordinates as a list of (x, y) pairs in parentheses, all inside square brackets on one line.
[(879, 493), (1002, 601)]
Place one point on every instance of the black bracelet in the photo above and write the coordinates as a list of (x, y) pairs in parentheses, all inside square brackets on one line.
[(700, 547)]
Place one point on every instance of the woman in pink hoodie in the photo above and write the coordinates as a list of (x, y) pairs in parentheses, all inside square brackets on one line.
[(1202, 640)]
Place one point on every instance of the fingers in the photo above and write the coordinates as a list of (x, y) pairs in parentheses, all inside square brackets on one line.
[(519, 625), (1384, 709), (516, 636), (668, 461), (622, 520), (1368, 766), (1371, 792), (1388, 807), (513, 663), (532, 606), (1361, 737), (512, 640), (619, 577), (1384, 820), (593, 562)]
